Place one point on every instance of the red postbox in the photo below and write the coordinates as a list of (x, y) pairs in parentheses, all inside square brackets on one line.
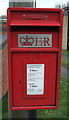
[(34, 55)]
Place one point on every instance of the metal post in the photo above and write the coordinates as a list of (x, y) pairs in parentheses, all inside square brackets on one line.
[(32, 114), (27, 114)]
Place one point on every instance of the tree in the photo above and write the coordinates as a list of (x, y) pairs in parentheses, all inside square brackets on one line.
[(63, 6)]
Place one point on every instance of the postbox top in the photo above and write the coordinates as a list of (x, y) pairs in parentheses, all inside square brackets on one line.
[(35, 16), (34, 9)]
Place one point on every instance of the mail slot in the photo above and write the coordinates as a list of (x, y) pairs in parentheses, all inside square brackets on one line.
[(34, 57)]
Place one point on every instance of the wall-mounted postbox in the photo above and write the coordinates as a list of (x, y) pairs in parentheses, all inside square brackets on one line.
[(34, 53)]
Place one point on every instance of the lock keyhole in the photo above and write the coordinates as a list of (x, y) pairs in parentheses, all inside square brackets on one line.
[(19, 81)]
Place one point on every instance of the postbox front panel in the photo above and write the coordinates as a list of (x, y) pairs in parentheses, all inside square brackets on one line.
[(29, 69)]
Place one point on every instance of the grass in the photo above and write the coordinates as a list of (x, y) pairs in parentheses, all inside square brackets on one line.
[(5, 106), (65, 62), (65, 52), (0, 109), (61, 112)]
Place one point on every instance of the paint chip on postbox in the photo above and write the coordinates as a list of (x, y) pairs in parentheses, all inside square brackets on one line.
[(34, 40)]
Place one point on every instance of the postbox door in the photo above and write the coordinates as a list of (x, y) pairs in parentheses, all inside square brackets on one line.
[(20, 62)]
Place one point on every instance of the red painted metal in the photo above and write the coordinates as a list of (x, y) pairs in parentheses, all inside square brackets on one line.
[(34, 21)]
